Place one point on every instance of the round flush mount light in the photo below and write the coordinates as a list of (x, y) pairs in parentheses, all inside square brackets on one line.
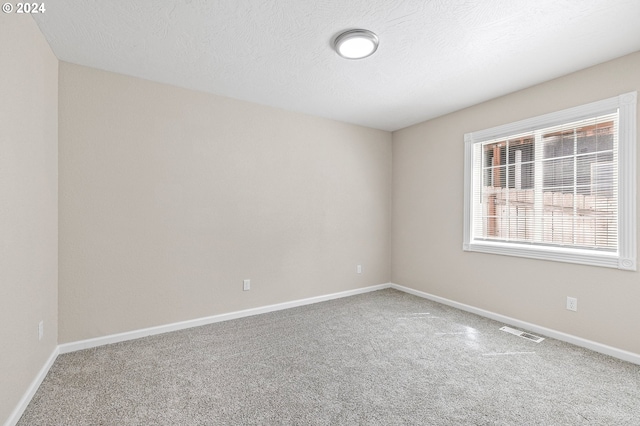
[(356, 44)]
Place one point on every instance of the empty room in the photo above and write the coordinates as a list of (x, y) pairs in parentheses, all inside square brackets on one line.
[(236, 212)]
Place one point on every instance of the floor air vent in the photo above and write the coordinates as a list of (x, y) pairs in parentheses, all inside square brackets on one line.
[(522, 334)]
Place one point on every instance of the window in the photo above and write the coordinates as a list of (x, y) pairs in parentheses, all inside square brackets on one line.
[(561, 186)]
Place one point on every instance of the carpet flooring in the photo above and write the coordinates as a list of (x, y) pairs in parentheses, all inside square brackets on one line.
[(381, 358)]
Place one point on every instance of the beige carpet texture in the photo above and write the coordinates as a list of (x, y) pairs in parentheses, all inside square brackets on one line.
[(381, 358)]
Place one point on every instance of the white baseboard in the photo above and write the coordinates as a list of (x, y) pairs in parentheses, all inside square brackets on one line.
[(558, 335), (136, 334), (31, 391)]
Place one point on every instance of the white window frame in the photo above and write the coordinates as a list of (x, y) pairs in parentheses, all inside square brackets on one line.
[(625, 256)]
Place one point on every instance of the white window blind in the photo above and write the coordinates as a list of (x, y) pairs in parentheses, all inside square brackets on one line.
[(557, 186), (550, 187)]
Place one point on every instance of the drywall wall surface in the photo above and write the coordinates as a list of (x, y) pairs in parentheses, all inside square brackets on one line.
[(28, 206), (427, 221), (170, 198)]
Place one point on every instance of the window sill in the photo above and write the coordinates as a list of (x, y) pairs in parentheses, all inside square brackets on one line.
[(557, 254)]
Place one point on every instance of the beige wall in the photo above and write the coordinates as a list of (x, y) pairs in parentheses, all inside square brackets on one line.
[(428, 210), (28, 206), (169, 198)]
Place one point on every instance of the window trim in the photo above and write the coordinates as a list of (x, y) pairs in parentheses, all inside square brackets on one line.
[(625, 256)]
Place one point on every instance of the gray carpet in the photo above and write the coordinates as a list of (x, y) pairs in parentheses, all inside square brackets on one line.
[(382, 358)]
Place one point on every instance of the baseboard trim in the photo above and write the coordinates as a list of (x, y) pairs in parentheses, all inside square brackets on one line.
[(558, 335), (137, 334), (31, 391)]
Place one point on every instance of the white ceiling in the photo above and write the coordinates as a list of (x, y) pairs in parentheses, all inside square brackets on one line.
[(435, 56)]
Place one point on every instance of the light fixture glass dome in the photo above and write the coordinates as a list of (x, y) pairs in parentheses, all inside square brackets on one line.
[(356, 44)]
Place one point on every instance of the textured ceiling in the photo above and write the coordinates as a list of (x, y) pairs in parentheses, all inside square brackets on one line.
[(435, 56)]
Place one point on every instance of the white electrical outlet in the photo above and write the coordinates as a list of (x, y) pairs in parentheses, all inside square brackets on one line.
[(358, 269), (246, 285), (572, 303), (40, 330)]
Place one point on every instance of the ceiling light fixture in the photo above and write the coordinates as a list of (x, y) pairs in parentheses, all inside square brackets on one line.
[(356, 44)]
